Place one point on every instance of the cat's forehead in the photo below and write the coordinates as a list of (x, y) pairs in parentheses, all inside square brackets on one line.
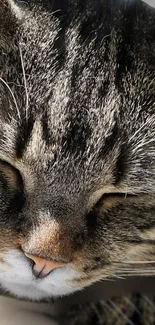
[(62, 162), (79, 112)]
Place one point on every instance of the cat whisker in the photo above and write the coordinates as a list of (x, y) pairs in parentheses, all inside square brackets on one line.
[(135, 272), (133, 269), (15, 84), (147, 274), (134, 262), (25, 82), (12, 94)]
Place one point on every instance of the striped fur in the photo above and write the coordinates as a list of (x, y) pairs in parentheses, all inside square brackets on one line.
[(77, 139)]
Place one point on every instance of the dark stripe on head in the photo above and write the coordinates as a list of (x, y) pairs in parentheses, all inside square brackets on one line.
[(126, 37), (116, 138), (91, 221), (23, 136), (75, 140), (59, 47), (109, 142), (46, 130), (121, 164)]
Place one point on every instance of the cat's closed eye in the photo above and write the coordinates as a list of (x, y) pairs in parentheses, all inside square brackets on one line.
[(9, 174)]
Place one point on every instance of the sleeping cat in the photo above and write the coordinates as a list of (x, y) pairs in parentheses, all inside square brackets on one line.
[(77, 144)]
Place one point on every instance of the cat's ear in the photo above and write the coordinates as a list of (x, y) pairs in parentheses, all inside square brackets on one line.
[(17, 9)]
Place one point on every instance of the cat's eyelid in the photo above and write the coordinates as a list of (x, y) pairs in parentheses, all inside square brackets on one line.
[(10, 173), (97, 195)]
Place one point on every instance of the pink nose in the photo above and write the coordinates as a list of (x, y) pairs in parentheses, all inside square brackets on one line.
[(42, 267)]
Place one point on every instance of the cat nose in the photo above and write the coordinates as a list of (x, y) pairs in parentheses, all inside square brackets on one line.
[(42, 266)]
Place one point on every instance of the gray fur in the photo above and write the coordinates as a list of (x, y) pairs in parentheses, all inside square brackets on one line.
[(77, 109)]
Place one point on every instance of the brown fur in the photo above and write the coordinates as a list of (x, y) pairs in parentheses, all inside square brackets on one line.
[(77, 138)]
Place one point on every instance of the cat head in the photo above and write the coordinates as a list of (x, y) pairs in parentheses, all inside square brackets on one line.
[(77, 145)]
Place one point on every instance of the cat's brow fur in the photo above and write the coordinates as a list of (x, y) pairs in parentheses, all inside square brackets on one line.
[(77, 117), (88, 101)]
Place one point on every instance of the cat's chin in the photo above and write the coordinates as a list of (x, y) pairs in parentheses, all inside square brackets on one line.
[(27, 292), (16, 278)]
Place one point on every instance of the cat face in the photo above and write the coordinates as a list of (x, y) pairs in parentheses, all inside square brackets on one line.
[(77, 148)]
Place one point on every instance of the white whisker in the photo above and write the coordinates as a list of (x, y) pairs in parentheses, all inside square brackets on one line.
[(127, 275), (135, 262), (14, 99), (135, 271), (25, 82)]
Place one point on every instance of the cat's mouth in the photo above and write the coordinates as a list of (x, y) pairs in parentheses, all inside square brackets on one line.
[(17, 278)]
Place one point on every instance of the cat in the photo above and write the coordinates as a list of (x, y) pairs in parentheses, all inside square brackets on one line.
[(77, 144)]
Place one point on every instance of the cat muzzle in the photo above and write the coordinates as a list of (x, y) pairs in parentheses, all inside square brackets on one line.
[(43, 267)]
